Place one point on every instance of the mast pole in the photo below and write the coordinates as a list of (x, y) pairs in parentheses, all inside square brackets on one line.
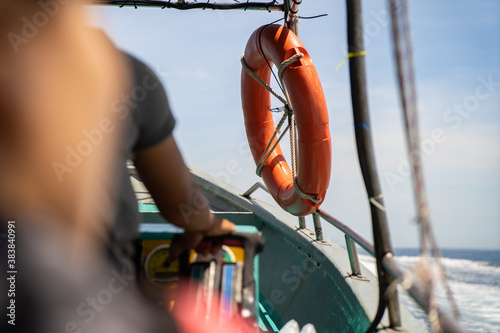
[(292, 15), (366, 156)]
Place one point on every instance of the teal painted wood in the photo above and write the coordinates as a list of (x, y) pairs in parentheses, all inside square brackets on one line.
[(290, 279), (148, 208), (300, 278), (333, 302)]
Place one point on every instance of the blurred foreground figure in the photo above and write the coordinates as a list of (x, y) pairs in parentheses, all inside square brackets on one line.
[(58, 138), (149, 143)]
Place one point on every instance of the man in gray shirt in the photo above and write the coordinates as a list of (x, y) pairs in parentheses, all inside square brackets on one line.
[(148, 141)]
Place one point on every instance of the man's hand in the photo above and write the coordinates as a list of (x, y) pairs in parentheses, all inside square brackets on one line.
[(176, 194), (189, 240)]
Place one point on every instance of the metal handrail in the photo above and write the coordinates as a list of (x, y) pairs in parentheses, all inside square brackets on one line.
[(254, 188), (348, 231), (353, 256), (317, 227), (416, 290), (302, 222)]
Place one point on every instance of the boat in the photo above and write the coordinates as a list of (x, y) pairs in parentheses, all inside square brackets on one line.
[(301, 275), (301, 278)]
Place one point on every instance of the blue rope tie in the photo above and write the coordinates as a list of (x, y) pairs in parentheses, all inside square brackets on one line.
[(365, 125)]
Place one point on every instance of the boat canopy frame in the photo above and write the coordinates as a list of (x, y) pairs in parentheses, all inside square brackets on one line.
[(216, 5)]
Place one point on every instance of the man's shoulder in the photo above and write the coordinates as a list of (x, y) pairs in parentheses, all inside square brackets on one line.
[(151, 114)]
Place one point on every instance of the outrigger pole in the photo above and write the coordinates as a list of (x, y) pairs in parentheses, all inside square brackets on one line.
[(185, 5), (366, 156)]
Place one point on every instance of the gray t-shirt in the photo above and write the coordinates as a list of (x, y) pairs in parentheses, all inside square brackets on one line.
[(149, 121)]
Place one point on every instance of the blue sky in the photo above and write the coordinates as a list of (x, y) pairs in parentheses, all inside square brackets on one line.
[(456, 48)]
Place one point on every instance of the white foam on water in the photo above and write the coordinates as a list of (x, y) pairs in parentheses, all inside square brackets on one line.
[(475, 285), (479, 306)]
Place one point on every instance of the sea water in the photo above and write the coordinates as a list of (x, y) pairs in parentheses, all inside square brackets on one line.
[(474, 278)]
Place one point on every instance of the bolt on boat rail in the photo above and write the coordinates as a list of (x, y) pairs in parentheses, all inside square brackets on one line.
[(416, 291)]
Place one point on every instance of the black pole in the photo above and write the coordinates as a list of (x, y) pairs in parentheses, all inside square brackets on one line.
[(366, 156), (254, 5)]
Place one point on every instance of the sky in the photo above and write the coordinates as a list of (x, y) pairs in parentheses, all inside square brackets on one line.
[(196, 54)]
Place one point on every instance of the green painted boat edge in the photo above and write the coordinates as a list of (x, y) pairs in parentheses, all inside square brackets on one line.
[(166, 231), (260, 213), (365, 291)]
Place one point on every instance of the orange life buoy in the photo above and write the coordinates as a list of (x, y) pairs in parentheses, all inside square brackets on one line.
[(275, 44)]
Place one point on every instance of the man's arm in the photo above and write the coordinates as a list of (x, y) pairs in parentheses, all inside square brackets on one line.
[(176, 194)]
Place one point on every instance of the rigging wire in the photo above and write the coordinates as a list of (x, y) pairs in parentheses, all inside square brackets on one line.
[(312, 17), (262, 51), (265, 58), (406, 79)]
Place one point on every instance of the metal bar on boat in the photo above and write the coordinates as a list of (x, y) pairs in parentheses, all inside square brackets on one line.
[(348, 231), (183, 5), (416, 291), (302, 222), (353, 255), (317, 227), (254, 188)]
